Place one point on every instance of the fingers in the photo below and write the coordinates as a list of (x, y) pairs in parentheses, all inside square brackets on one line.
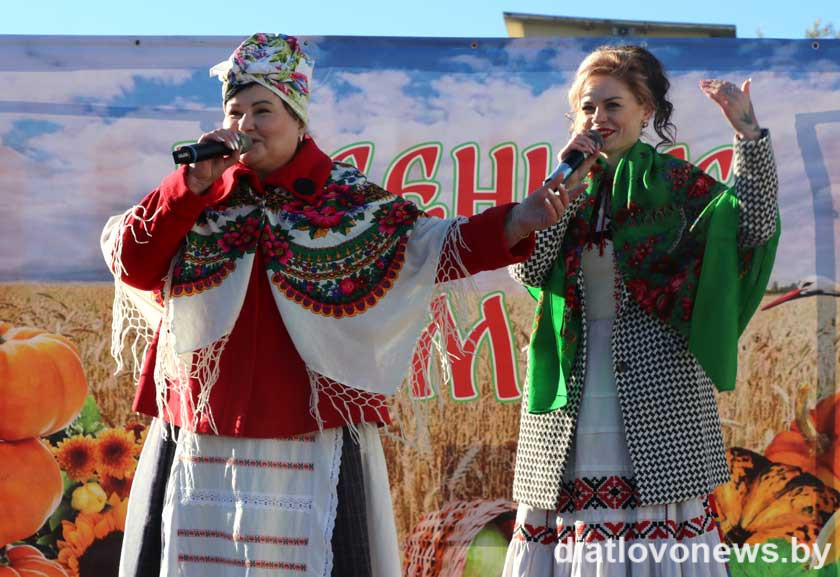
[(575, 192), (745, 87), (544, 207), (205, 172), (229, 161), (713, 88), (552, 210), (230, 138), (724, 92), (585, 144), (716, 87), (580, 173), (579, 141), (562, 197)]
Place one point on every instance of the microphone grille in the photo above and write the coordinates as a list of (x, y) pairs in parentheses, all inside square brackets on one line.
[(246, 141), (596, 137)]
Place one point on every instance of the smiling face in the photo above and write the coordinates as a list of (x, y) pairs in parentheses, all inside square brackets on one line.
[(609, 106), (275, 132)]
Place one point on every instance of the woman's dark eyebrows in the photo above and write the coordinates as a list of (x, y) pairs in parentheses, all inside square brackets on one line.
[(255, 103), (587, 100)]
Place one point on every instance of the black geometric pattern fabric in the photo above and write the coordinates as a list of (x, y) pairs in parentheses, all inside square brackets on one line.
[(669, 410), (667, 402), (757, 186), (545, 441)]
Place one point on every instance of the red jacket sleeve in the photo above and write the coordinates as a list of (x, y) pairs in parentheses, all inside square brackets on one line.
[(155, 228), (484, 246)]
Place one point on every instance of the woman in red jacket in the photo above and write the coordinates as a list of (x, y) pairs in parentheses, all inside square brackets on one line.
[(293, 292)]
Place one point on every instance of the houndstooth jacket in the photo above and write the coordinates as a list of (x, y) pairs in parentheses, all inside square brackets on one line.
[(667, 401)]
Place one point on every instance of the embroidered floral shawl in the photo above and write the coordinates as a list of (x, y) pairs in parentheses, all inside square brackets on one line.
[(352, 269), (675, 237)]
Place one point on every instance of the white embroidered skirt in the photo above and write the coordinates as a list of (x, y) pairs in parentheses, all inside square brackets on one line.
[(251, 507)]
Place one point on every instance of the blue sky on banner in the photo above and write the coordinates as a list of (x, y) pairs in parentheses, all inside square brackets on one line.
[(478, 18), (86, 124)]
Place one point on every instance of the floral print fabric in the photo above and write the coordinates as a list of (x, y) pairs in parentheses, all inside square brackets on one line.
[(275, 61)]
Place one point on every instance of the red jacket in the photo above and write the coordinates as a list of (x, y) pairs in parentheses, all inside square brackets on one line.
[(263, 390)]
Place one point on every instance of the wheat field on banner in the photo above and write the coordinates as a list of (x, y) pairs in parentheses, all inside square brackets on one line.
[(471, 444)]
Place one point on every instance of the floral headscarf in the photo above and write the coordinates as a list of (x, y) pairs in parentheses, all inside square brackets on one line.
[(275, 61)]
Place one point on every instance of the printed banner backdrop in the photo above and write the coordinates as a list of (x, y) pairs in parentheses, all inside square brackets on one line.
[(456, 125)]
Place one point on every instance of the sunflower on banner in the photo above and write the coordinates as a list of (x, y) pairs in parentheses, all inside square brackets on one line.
[(98, 465)]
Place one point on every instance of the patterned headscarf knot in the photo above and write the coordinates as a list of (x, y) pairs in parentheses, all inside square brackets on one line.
[(275, 61)]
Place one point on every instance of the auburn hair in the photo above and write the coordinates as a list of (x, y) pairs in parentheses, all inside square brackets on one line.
[(643, 74)]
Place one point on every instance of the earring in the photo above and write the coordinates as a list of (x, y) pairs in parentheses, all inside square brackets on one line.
[(644, 124)]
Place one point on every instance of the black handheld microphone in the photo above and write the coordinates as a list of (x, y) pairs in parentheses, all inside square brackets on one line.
[(210, 149), (574, 159)]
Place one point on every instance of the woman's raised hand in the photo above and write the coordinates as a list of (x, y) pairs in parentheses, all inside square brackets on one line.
[(201, 175), (735, 104)]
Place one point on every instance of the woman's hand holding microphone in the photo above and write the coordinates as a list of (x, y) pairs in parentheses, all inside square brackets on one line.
[(202, 174), (546, 205)]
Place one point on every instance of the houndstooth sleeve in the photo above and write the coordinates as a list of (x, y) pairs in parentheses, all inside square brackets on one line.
[(535, 270), (757, 187)]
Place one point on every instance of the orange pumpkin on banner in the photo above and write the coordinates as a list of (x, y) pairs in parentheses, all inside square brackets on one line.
[(811, 442), (30, 488), (42, 382), (27, 561), (765, 500)]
